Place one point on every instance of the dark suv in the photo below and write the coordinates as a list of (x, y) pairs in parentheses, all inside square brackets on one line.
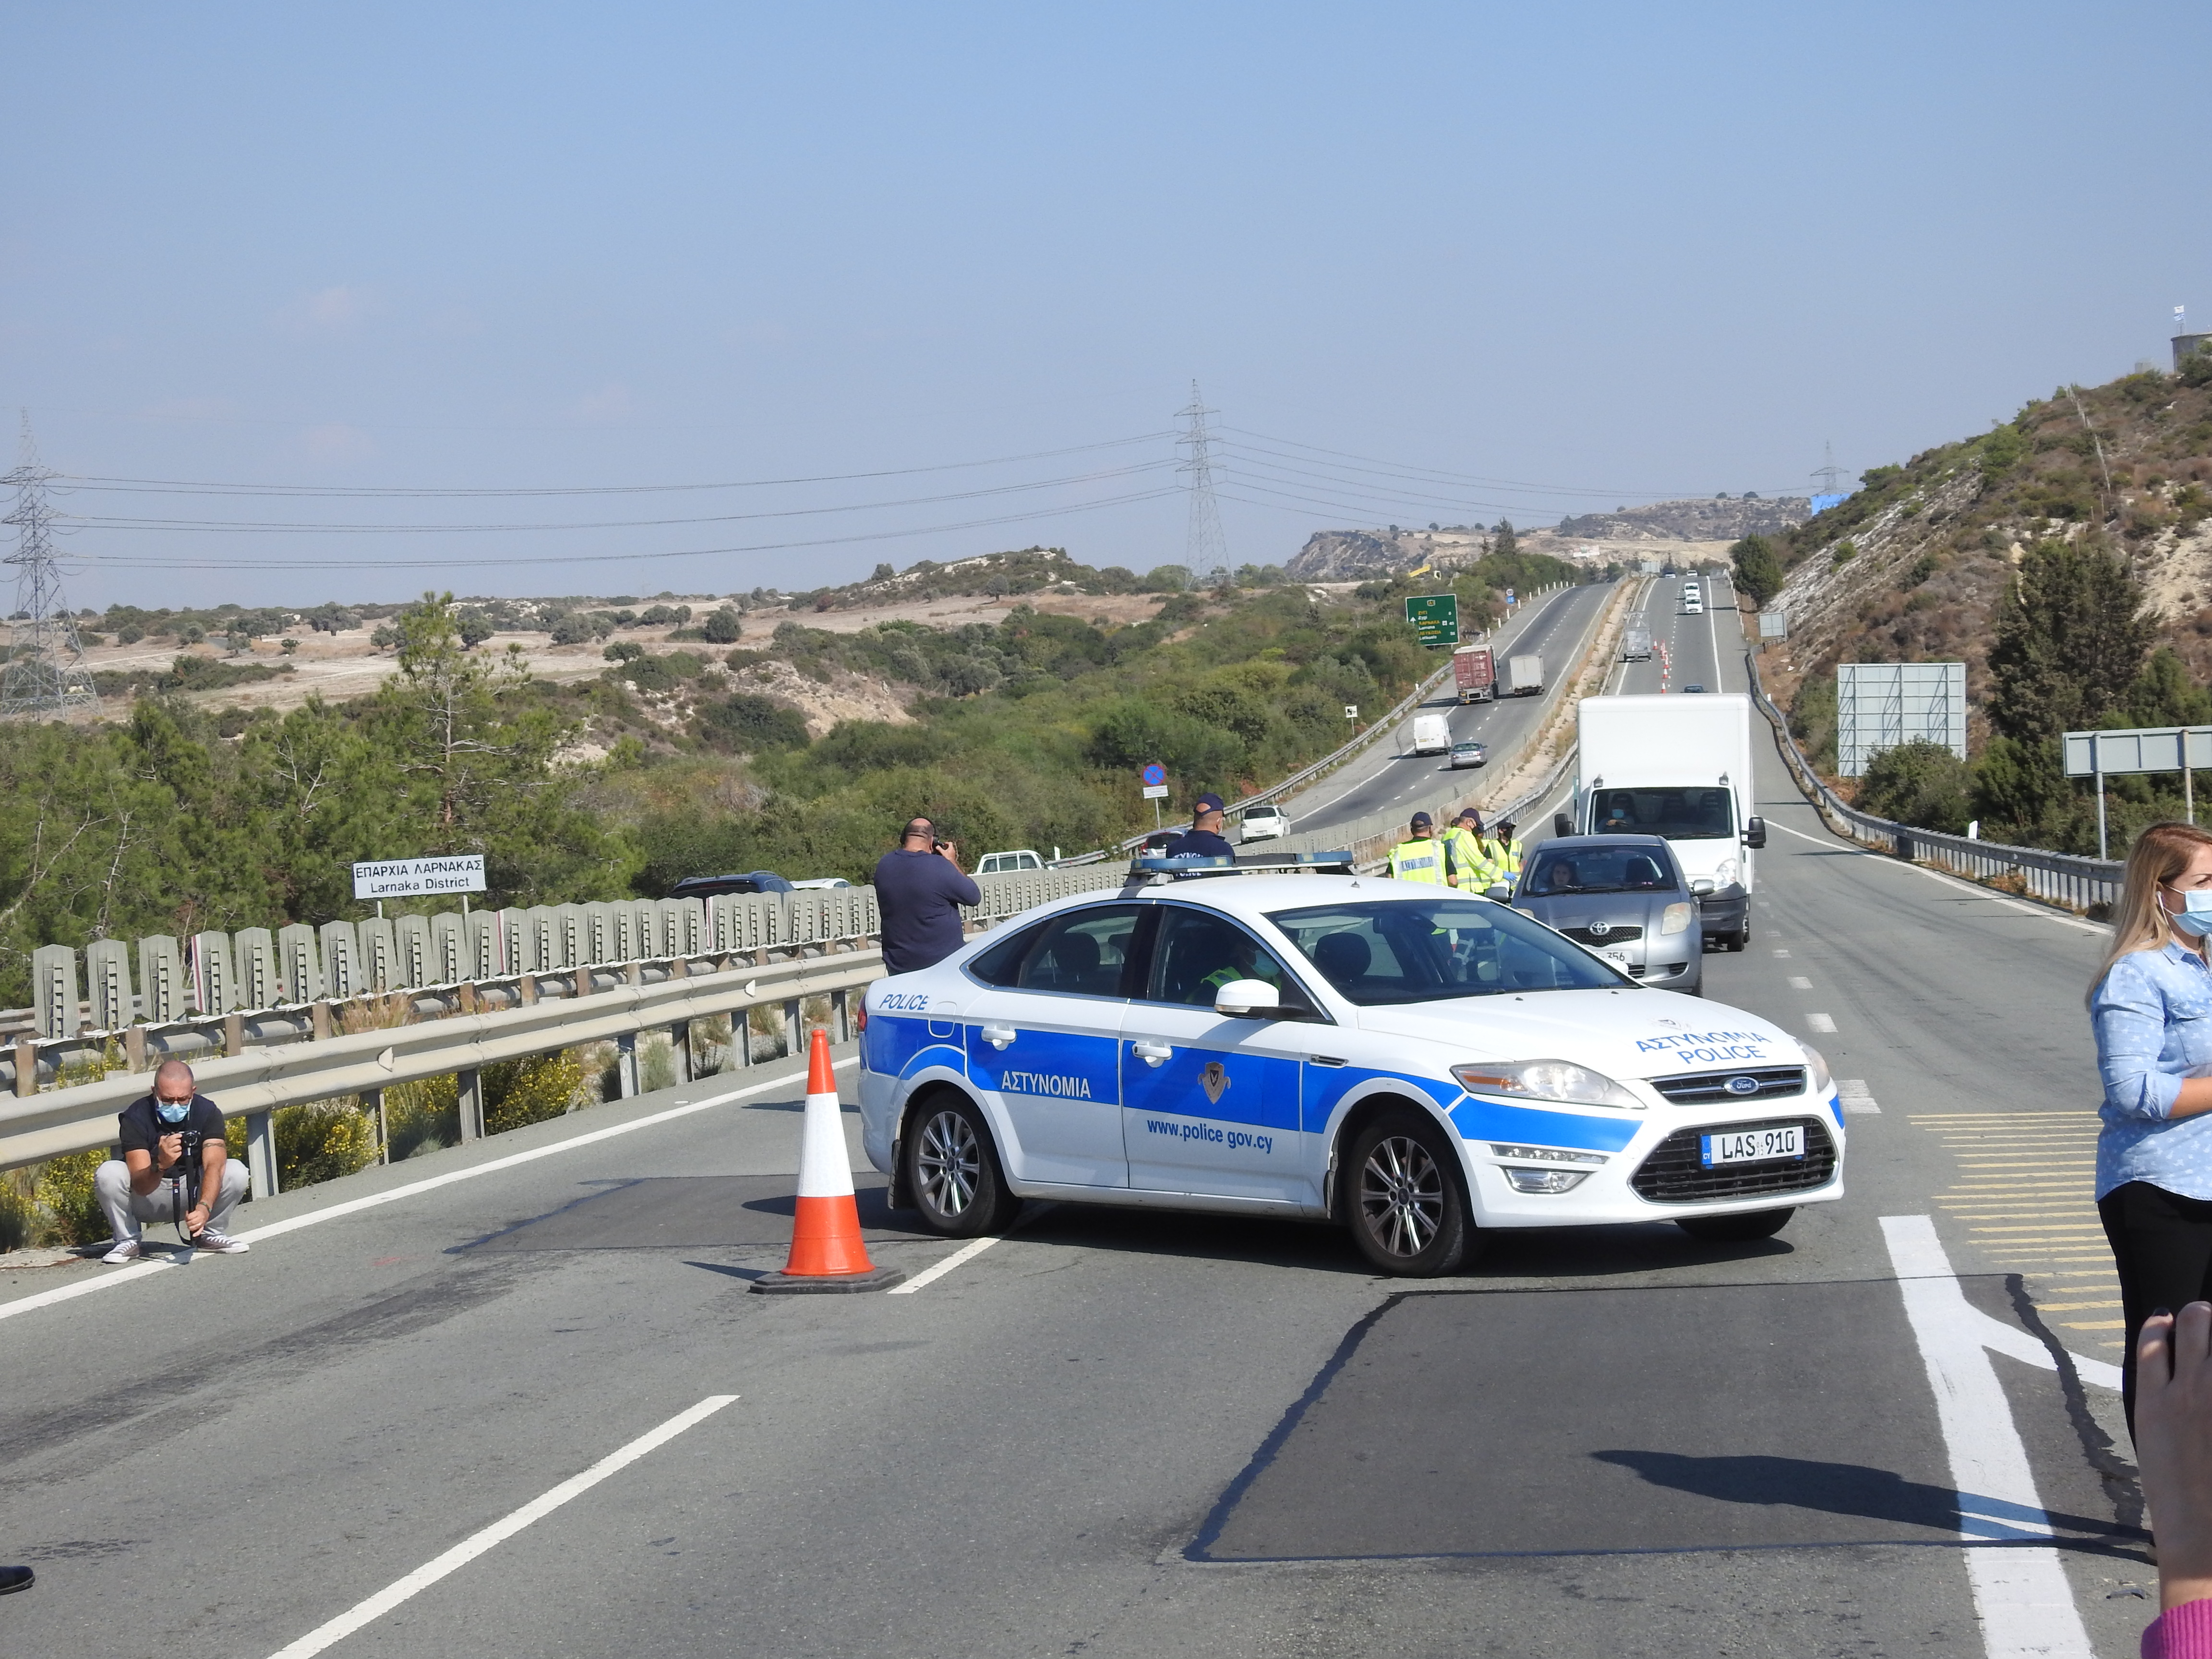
[(757, 881)]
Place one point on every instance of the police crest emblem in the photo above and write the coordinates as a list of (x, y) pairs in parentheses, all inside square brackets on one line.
[(1214, 1080)]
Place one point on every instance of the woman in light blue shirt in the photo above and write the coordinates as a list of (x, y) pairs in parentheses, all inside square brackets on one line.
[(2152, 1008)]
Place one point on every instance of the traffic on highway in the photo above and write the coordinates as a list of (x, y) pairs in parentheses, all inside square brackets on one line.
[(1293, 1260)]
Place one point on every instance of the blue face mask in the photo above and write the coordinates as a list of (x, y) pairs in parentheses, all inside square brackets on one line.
[(2195, 917), (176, 1111)]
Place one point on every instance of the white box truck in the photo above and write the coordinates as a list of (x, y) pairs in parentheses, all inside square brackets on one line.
[(1431, 735), (1677, 767), (1527, 674)]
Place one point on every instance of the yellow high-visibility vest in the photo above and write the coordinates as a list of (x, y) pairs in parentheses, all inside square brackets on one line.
[(1469, 859), (1418, 860)]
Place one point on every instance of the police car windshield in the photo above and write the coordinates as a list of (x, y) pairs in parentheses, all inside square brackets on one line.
[(1382, 952), (1600, 870), (1677, 814)]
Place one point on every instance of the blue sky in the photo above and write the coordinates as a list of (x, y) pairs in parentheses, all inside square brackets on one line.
[(1612, 251)]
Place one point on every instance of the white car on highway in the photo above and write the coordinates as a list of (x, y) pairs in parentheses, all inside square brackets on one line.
[(1419, 1065), (1264, 823)]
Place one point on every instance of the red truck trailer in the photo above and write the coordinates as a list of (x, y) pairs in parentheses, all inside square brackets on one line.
[(1475, 673)]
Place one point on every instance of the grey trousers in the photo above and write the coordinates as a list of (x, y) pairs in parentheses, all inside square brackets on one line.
[(126, 1209)]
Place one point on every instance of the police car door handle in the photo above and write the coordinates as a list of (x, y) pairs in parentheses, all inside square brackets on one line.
[(1152, 1054), (998, 1035)]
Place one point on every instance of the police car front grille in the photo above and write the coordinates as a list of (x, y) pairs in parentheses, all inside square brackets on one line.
[(1706, 1088), (1674, 1174), (1616, 934)]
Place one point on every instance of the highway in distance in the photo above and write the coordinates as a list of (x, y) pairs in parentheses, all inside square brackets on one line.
[(533, 1411)]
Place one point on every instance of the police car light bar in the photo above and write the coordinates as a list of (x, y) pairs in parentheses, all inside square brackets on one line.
[(1244, 864)]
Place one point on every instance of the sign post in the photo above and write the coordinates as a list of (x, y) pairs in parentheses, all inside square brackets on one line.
[(1155, 788), (1434, 618), (2101, 754)]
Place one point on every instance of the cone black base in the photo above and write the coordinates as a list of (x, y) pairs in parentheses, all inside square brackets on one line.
[(876, 1278)]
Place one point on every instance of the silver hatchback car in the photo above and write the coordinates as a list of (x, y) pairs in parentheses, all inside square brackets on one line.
[(1623, 896)]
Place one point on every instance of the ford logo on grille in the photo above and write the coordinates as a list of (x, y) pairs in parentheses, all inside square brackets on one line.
[(1599, 929), (1742, 1085)]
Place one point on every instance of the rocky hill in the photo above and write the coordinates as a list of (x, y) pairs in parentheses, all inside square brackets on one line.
[(1912, 567), (1334, 556), (1724, 517)]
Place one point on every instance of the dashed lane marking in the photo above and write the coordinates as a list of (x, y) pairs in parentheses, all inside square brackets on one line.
[(500, 1531), (1856, 1095), (1799, 982), (1781, 952), (1821, 1022)]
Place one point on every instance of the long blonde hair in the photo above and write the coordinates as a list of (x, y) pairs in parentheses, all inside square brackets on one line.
[(2160, 853)]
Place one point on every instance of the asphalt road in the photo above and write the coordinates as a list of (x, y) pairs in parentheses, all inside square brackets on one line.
[(1390, 776), (1124, 1433)]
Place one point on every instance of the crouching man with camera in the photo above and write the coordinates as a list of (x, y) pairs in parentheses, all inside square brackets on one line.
[(175, 1167)]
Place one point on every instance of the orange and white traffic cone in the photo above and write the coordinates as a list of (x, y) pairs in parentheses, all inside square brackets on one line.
[(826, 1251)]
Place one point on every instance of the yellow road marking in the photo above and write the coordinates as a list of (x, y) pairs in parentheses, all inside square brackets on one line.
[(2075, 1307), (2094, 1325)]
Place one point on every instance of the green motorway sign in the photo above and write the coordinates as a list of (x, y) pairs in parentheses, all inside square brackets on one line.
[(1435, 618)]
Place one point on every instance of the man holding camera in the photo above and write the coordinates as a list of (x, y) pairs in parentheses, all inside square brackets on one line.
[(920, 890), (175, 1167)]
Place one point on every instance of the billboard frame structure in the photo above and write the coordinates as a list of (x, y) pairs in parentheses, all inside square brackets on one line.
[(1880, 705)]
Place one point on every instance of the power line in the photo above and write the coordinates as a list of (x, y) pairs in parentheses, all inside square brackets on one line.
[(273, 526), (45, 671), (1206, 550), (185, 486)]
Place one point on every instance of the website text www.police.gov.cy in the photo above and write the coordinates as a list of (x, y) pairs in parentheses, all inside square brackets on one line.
[(1234, 1140)]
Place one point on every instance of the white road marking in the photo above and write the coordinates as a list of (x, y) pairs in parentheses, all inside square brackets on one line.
[(316, 1217), (1856, 1095), (930, 1275), (1799, 982), (1821, 1022), (477, 1543), (1975, 888), (2020, 1594), (1780, 952)]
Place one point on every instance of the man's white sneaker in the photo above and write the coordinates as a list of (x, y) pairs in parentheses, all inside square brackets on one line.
[(128, 1249), (215, 1243)]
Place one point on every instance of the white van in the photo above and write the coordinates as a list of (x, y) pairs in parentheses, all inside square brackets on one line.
[(1431, 735), (1005, 863)]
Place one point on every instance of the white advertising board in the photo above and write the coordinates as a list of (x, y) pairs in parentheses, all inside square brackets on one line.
[(461, 873)]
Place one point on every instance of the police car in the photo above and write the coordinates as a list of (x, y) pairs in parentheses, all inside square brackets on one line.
[(1419, 1066)]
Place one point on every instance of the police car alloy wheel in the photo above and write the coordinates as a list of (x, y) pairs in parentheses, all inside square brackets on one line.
[(1736, 1229), (1407, 1213), (952, 1171)]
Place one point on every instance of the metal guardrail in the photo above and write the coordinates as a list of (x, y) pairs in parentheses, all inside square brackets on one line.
[(253, 1084), (2061, 878)]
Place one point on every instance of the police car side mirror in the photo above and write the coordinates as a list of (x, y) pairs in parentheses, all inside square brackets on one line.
[(1754, 833), (1500, 890), (1247, 999), (1562, 824)]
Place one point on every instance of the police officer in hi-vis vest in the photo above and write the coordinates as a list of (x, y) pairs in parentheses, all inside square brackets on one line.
[(1508, 851), (1419, 857), (1468, 865)]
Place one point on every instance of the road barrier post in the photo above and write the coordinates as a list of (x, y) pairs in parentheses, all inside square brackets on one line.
[(468, 1096), (261, 1152)]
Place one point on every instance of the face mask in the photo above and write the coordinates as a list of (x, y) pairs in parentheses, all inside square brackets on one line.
[(175, 1111), (2195, 916)]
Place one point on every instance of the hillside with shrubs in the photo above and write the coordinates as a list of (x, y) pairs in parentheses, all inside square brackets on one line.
[(2065, 557)]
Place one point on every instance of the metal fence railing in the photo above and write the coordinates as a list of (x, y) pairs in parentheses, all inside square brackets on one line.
[(2061, 878)]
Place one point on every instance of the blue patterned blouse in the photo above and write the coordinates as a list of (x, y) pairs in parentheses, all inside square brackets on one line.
[(2153, 1013)]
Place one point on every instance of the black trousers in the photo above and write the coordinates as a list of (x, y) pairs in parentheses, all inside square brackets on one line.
[(2162, 1246)]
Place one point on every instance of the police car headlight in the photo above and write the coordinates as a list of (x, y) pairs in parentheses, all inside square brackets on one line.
[(1546, 1079), (1674, 920), (1817, 1081), (1545, 1181)]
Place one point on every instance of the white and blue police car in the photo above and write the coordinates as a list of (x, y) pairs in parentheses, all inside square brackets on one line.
[(1416, 1064)]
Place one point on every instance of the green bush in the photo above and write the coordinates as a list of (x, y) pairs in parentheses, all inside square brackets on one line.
[(421, 1117), (1920, 783), (322, 1140), (65, 1192), (749, 724), (521, 1091)]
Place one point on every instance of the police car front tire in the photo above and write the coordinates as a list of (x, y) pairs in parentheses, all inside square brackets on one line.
[(1403, 1198), (1740, 1229), (952, 1172)]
